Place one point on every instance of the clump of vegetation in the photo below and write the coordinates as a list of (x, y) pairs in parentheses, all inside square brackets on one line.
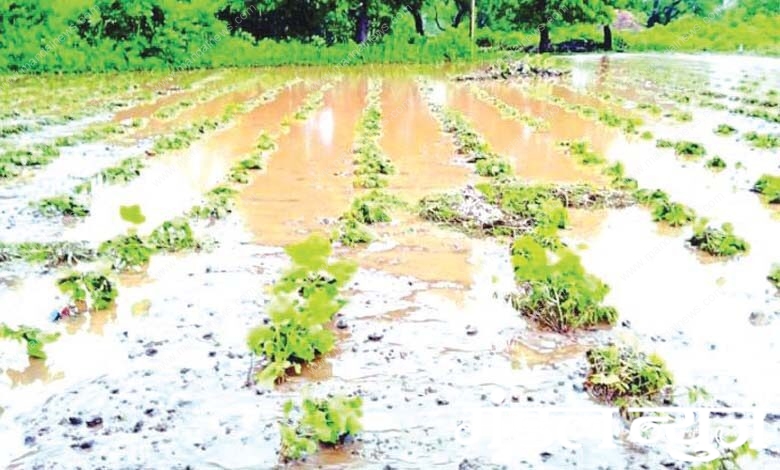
[(582, 152), (126, 252), (33, 338), (718, 242), (663, 209), (370, 208), (92, 289), (715, 163), (305, 300), (625, 376), (441, 208), (183, 138), (472, 145), (683, 116), (13, 129), (683, 148), (266, 142), (217, 205), (126, 171), (724, 130), (762, 141), (618, 178), (52, 254), (769, 187), (646, 135), (173, 236), (774, 275), (61, 206), (629, 125), (323, 422), (311, 103), (372, 166), (560, 295)]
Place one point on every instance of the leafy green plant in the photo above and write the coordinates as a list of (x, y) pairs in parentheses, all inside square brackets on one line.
[(92, 288), (560, 295), (715, 163), (724, 130), (127, 170), (65, 205), (132, 214), (323, 422), (774, 275), (173, 236), (126, 252), (583, 153), (769, 187), (33, 338), (762, 141), (305, 300), (217, 205), (673, 213), (717, 242), (625, 376)]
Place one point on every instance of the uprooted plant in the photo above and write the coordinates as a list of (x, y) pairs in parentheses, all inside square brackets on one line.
[(322, 422), (625, 376), (305, 300)]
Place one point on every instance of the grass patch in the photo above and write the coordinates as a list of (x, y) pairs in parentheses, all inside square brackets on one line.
[(322, 422), (721, 242), (625, 376), (305, 300)]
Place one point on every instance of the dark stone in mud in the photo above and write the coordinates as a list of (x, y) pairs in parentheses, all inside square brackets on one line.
[(151, 352), (545, 456), (626, 324), (466, 464), (86, 445), (29, 440), (441, 401), (772, 417), (75, 421), (759, 319), (138, 427), (375, 336), (471, 330), (342, 324), (95, 422)]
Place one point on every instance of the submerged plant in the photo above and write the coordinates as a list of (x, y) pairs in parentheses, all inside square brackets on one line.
[(33, 338), (323, 422), (217, 205), (92, 288), (718, 242), (561, 295), (305, 300), (625, 376)]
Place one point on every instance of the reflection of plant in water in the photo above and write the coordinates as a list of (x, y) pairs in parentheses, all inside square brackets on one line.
[(305, 300), (33, 338), (93, 288), (624, 376), (717, 242), (328, 421)]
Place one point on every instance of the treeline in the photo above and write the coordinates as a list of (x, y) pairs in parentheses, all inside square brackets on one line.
[(82, 35)]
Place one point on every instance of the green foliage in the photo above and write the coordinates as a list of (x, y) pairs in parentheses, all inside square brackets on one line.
[(725, 130), (184, 137), (173, 236), (93, 288), (373, 207), (127, 170), (561, 295), (52, 254), (493, 167), (618, 178), (664, 210), (715, 163), (323, 421), (66, 205), (126, 252), (537, 203), (582, 152), (774, 275), (646, 135), (440, 208), (762, 141), (717, 242), (132, 214), (33, 338), (217, 205), (472, 145), (625, 376), (305, 300), (683, 148), (352, 232)]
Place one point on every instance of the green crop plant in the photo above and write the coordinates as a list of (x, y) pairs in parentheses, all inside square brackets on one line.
[(33, 338), (352, 232), (769, 187), (127, 170), (625, 376), (715, 163), (92, 288), (673, 213), (305, 300), (217, 205), (762, 141), (560, 295), (493, 167), (65, 205), (173, 236), (322, 422), (537, 203), (774, 275), (725, 130), (126, 252), (721, 242), (373, 207), (582, 152)]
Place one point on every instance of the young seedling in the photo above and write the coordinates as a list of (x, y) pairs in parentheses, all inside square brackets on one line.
[(323, 422)]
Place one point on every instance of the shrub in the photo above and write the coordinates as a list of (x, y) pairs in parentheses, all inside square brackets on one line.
[(325, 421), (717, 242), (624, 376), (305, 299)]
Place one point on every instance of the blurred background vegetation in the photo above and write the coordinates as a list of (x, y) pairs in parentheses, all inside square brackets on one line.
[(98, 35)]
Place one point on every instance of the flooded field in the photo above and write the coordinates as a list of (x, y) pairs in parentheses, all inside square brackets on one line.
[(183, 192)]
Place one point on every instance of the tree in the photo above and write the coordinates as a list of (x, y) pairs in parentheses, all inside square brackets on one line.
[(543, 14), (664, 11)]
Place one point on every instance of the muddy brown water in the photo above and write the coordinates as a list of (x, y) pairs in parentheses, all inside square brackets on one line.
[(456, 379)]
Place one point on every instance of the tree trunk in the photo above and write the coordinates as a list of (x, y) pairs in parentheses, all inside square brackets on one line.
[(419, 25), (607, 38), (361, 33), (544, 39), (655, 15), (464, 8)]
